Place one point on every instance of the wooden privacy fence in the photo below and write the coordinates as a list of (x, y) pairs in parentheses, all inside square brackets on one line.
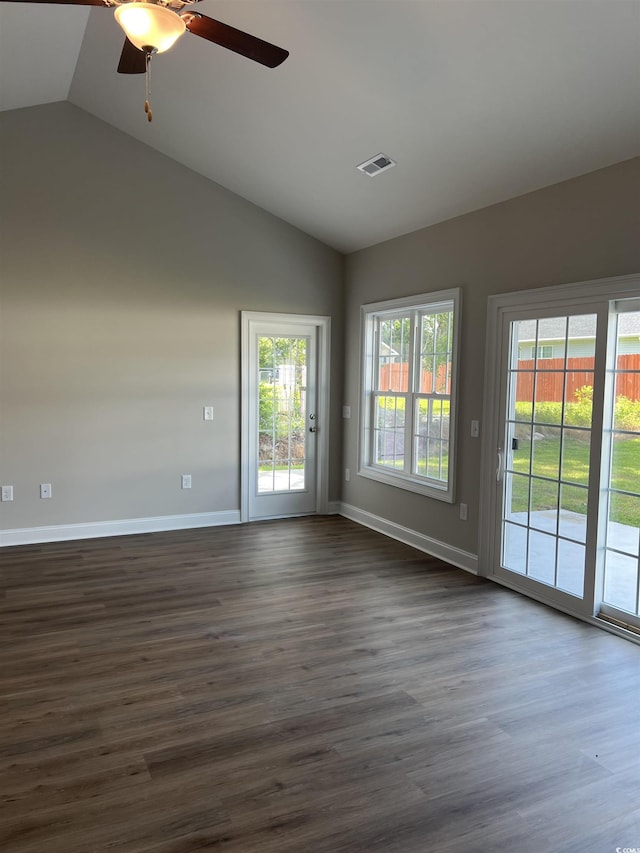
[(395, 377), (550, 378)]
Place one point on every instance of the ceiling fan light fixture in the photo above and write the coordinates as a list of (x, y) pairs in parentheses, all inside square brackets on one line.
[(150, 27)]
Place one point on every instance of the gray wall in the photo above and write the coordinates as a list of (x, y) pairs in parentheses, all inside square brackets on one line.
[(122, 278), (581, 229)]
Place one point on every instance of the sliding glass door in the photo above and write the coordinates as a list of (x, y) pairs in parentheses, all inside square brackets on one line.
[(563, 442), (621, 494)]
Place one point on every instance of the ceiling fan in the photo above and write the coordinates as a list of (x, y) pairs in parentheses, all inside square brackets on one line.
[(153, 26)]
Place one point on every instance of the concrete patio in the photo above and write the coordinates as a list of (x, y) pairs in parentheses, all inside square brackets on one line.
[(621, 567)]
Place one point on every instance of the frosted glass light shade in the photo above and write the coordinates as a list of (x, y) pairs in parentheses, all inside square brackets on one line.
[(149, 26)]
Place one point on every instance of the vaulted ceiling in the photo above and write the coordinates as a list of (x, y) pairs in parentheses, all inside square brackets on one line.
[(477, 100)]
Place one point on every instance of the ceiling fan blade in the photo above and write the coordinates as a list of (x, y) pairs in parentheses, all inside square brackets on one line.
[(132, 60), (64, 2), (235, 40)]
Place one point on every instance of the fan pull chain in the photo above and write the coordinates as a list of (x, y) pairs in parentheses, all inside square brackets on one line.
[(147, 76)]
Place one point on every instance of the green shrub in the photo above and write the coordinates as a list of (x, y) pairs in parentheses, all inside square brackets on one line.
[(578, 413), (627, 414), (267, 406), (278, 413)]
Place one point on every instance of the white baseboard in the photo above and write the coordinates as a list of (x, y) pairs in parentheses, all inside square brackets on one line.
[(122, 527), (128, 526), (456, 556)]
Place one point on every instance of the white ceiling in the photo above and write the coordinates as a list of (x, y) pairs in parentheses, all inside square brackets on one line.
[(477, 100)]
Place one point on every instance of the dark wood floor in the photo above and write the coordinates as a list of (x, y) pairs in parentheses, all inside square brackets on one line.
[(302, 685)]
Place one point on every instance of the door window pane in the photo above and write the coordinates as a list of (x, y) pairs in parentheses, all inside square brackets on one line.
[(517, 497), (575, 457), (281, 413), (544, 504), (624, 522), (578, 407), (573, 512), (514, 548), (519, 442), (549, 395), (582, 336), (549, 414), (621, 581), (545, 460), (542, 557), (570, 576)]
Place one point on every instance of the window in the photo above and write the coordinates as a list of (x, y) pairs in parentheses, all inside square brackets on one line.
[(544, 351), (407, 426)]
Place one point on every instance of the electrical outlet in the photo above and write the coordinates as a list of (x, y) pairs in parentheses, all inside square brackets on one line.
[(45, 490), (7, 493), (475, 429), (347, 474), (186, 481), (463, 512), (346, 411)]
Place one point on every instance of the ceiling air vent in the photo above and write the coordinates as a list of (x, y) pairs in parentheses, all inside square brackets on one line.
[(377, 164)]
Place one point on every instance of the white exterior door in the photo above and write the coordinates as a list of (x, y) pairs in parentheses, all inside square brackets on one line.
[(284, 422)]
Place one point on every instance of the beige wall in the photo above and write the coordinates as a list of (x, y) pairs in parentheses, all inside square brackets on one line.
[(123, 275), (582, 229)]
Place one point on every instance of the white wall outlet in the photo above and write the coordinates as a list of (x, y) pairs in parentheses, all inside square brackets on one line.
[(186, 481), (207, 413), (7, 493), (463, 512), (475, 429), (45, 490), (347, 474), (346, 411)]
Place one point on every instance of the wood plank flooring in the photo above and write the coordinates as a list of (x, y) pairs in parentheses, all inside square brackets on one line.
[(302, 685)]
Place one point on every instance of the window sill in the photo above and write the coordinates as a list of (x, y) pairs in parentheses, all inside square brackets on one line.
[(417, 486)]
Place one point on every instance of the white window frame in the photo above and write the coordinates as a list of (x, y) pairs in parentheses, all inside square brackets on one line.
[(369, 314)]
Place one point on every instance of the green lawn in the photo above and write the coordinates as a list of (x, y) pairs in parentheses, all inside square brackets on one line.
[(575, 469), (280, 466)]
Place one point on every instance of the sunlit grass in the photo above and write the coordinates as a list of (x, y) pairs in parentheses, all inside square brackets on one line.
[(575, 470), (281, 466)]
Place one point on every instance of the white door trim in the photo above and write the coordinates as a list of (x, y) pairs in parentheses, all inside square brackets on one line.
[(322, 328)]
